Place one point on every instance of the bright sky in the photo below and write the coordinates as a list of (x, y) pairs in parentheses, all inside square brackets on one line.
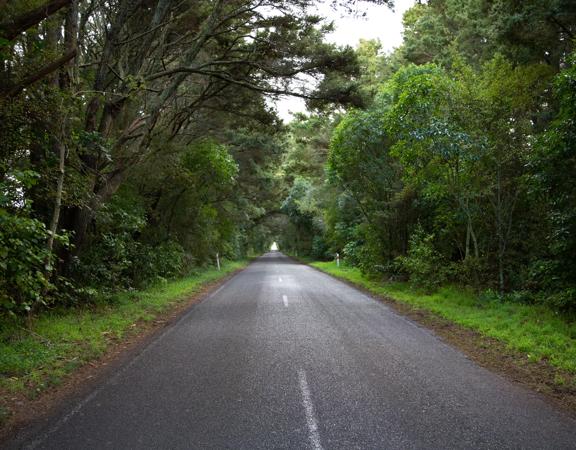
[(380, 22)]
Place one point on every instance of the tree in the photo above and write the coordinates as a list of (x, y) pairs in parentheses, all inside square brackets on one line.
[(360, 162), (553, 165), (526, 32)]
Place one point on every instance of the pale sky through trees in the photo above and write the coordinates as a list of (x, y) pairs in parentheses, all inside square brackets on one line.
[(380, 22)]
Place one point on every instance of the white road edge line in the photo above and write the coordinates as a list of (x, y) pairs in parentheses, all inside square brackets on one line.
[(285, 300), (309, 409)]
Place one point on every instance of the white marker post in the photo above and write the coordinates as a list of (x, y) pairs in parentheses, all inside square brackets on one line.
[(337, 259), (218, 260)]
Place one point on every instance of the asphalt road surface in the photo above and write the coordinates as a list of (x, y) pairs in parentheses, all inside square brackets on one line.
[(283, 356)]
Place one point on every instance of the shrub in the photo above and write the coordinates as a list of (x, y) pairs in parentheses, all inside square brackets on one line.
[(471, 271), (23, 253), (423, 263), (151, 264), (24, 279), (320, 248), (564, 300), (119, 262)]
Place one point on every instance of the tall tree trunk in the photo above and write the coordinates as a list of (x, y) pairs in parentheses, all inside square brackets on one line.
[(57, 202), (473, 236), (467, 252), (65, 83), (104, 191), (499, 227)]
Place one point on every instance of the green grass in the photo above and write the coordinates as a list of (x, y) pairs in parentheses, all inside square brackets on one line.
[(58, 342), (534, 330)]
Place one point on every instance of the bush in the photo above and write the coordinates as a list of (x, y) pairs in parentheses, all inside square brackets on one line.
[(320, 249), (117, 258), (352, 253), (423, 263), (564, 300), (119, 262), (151, 264), (365, 250), (471, 271), (23, 252)]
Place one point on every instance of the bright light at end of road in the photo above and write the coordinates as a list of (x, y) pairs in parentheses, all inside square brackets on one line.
[(274, 247)]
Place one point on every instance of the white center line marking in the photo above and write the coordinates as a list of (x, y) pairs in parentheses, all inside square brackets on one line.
[(309, 408), (285, 300)]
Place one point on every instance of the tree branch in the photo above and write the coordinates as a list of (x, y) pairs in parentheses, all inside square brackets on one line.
[(11, 91), (268, 70), (563, 27), (12, 28), (257, 88)]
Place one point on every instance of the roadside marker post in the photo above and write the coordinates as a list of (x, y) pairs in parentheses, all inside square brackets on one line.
[(337, 259), (218, 260)]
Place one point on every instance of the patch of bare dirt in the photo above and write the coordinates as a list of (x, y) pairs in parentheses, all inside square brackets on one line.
[(24, 411)]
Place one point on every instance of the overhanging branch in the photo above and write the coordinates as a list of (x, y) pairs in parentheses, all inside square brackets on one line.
[(12, 28), (11, 91)]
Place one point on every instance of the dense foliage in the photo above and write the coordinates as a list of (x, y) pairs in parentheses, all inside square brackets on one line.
[(137, 140), (461, 166)]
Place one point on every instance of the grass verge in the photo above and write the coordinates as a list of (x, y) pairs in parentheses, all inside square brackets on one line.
[(58, 342), (533, 330)]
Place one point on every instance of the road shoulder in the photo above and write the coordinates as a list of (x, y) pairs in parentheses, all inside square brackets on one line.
[(538, 376), (34, 413)]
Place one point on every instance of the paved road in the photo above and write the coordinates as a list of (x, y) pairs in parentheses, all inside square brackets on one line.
[(283, 356)]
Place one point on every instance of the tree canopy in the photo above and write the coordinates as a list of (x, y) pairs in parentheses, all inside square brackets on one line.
[(456, 168), (137, 140)]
